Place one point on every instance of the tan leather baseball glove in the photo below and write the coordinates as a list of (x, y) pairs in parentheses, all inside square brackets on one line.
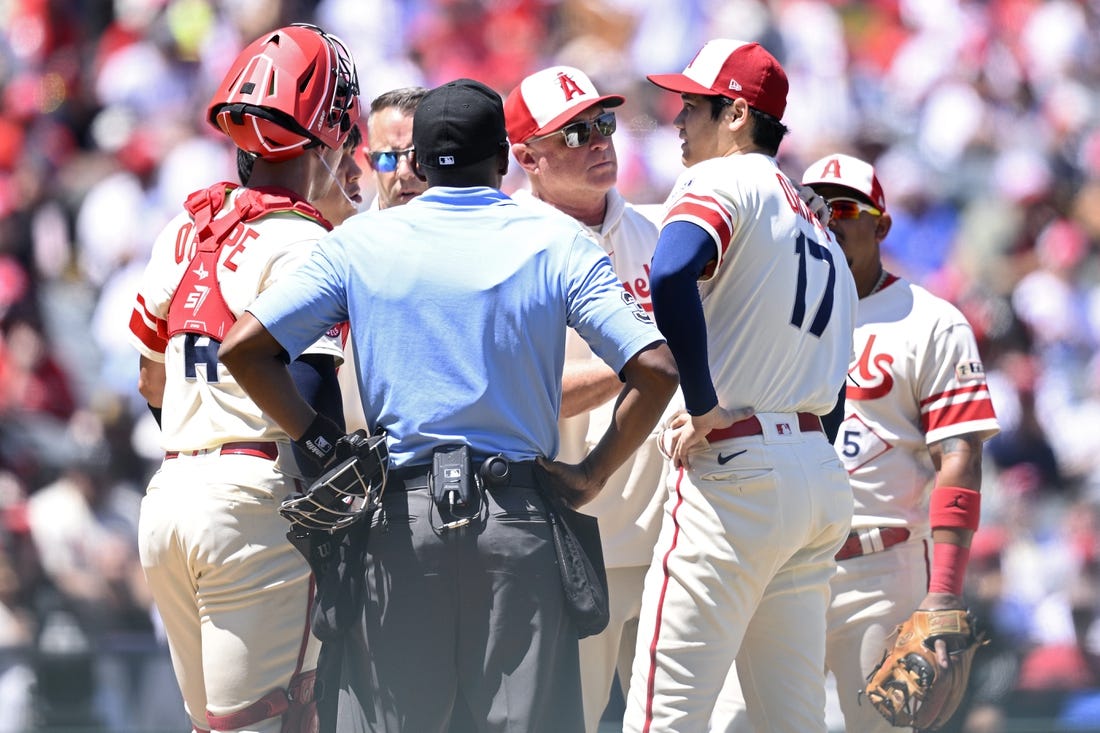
[(908, 687)]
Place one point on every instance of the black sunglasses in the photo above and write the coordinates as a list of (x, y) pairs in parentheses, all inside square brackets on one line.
[(579, 133), (385, 161)]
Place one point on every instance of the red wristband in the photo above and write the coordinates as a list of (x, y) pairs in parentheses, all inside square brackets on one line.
[(955, 507), (948, 568)]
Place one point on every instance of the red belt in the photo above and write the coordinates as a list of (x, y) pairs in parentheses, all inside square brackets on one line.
[(887, 537), (807, 423), (270, 451)]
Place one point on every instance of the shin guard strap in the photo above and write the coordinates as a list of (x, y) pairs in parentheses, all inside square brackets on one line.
[(271, 705)]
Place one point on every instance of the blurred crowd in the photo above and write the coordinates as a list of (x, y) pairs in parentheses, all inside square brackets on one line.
[(982, 117)]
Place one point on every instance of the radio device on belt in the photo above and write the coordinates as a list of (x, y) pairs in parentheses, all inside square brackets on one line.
[(454, 491)]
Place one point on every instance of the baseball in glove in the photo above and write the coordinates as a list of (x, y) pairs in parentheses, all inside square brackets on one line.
[(908, 687)]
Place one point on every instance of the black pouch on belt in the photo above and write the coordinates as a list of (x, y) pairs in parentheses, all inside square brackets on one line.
[(580, 561)]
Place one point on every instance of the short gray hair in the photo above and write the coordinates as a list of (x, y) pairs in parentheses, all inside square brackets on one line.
[(405, 99)]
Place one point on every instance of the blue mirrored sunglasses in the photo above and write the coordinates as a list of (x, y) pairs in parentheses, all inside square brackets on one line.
[(385, 161)]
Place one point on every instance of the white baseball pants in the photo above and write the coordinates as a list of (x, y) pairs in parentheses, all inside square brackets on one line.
[(741, 571), (232, 591)]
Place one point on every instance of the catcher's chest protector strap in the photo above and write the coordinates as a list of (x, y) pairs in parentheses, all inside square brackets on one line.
[(198, 305)]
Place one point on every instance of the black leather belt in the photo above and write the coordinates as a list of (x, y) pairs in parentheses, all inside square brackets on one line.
[(411, 478)]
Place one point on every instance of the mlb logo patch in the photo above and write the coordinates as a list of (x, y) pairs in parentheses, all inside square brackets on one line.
[(969, 370), (783, 428)]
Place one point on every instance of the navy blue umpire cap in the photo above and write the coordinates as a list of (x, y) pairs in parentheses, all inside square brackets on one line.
[(457, 124)]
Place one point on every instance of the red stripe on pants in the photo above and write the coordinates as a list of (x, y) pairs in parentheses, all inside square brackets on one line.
[(651, 681)]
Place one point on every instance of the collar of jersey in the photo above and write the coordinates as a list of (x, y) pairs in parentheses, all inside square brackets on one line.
[(473, 196), (616, 206)]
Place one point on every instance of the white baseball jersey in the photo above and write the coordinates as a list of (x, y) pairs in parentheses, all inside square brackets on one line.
[(629, 507), (203, 405), (772, 358), (917, 378)]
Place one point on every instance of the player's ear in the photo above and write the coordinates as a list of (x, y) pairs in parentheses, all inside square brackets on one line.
[(526, 157), (502, 162), (882, 226), (736, 114)]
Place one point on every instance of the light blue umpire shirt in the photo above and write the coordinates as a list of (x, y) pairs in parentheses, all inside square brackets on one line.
[(458, 304)]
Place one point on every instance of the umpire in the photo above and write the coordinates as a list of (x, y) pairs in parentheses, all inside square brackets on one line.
[(459, 303)]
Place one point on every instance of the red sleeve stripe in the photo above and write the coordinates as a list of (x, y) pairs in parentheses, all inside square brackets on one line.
[(146, 335), (150, 330), (957, 413), (707, 213)]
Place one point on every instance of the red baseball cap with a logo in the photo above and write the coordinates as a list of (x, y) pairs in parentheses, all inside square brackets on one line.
[(734, 69), (547, 99), (852, 173)]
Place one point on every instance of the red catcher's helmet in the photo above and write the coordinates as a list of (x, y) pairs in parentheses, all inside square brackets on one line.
[(289, 90)]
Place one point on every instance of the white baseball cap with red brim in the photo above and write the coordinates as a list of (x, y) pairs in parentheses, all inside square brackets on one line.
[(852, 173), (733, 69), (546, 100)]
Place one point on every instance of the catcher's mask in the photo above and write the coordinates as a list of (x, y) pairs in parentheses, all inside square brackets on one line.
[(291, 89), (349, 490)]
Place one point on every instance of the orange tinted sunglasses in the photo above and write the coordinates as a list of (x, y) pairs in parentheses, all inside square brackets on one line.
[(850, 209)]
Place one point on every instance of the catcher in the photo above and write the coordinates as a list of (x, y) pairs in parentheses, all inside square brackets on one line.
[(232, 593)]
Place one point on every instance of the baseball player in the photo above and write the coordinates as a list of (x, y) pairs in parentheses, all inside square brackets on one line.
[(233, 593), (918, 412), (758, 306), (561, 132)]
